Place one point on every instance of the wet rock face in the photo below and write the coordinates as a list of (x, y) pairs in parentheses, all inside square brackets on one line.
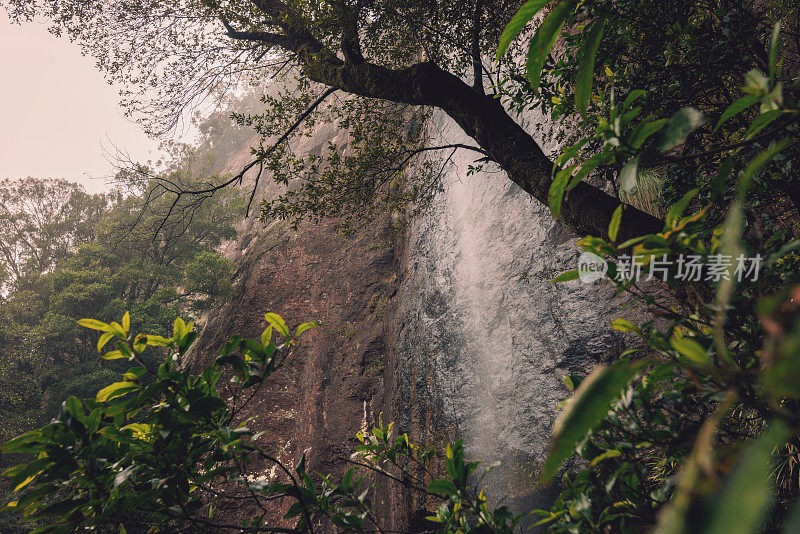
[(335, 382), (451, 328), (484, 336)]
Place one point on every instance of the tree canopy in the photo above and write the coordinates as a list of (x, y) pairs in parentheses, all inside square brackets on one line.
[(430, 54), (69, 254)]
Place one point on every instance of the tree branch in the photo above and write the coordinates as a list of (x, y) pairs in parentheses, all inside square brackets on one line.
[(285, 135), (586, 209), (269, 38), (399, 480), (477, 63), (351, 47), (180, 192)]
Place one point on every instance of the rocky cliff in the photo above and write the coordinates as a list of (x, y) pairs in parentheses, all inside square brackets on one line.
[(484, 337), (447, 324), (344, 375)]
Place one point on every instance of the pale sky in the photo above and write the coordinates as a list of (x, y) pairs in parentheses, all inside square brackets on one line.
[(57, 113)]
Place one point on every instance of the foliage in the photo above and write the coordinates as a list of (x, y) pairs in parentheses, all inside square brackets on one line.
[(695, 430), (379, 164), (77, 254), (652, 61), (41, 221), (162, 449), (121, 266), (174, 57)]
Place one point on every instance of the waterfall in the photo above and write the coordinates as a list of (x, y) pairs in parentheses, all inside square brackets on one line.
[(484, 336)]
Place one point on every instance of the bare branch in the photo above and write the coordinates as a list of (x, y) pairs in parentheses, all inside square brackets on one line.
[(351, 47), (269, 38), (255, 188), (283, 137), (477, 63)]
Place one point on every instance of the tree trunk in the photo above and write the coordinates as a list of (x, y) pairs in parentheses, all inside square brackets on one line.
[(586, 208)]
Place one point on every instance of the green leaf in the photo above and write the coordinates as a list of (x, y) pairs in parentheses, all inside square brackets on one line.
[(528, 10), (746, 497), (773, 49), (566, 277), (691, 349), (159, 341), (585, 410), (126, 321), (105, 338), (239, 365), (627, 176), (761, 122), (785, 249), (730, 245), (93, 423), (591, 164), (569, 153), (26, 481), (632, 97), (23, 474), (254, 348), (75, 408), (622, 325), (305, 326), (278, 323), (179, 330), (583, 80), (644, 131), (678, 208), (555, 194), (613, 226), (736, 108), (23, 440), (113, 433), (124, 475), (94, 325), (117, 330), (442, 487), (117, 389), (568, 382), (544, 39), (632, 241), (551, 516), (113, 355), (187, 340), (724, 171), (683, 122), (60, 508), (135, 372), (613, 453), (140, 343), (266, 336), (757, 163)]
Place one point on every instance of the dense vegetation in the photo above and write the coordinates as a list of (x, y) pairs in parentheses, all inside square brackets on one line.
[(693, 430), (68, 254)]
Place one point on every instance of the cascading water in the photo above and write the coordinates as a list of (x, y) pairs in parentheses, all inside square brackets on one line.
[(485, 337), (482, 338)]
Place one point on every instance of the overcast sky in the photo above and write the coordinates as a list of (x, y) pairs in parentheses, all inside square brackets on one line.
[(57, 110)]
